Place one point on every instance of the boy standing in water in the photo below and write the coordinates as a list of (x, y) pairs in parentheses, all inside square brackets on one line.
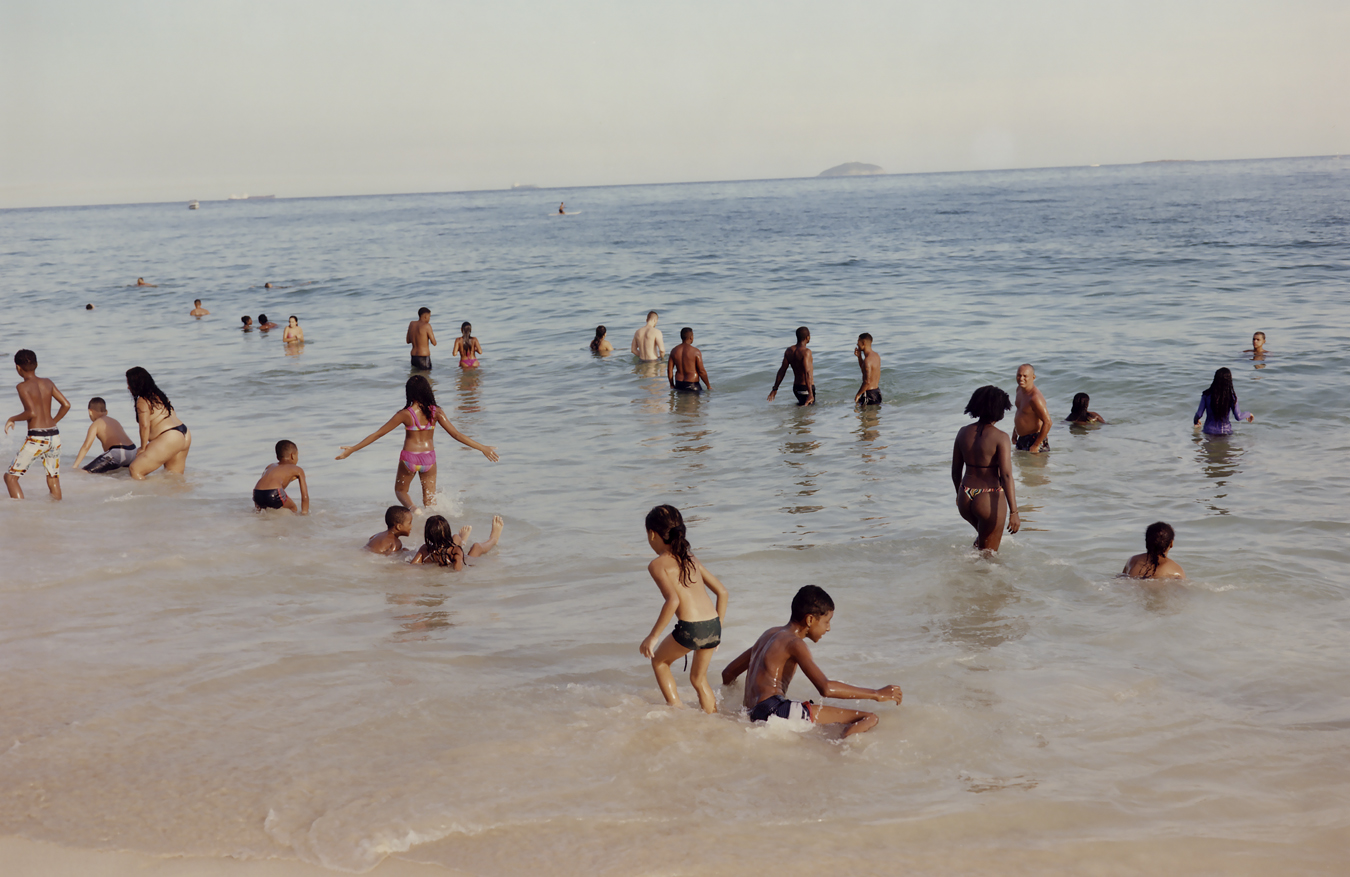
[(422, 339), (803, 372), (198, 310), (44, 439), (870, 363), (398, 523), (118, 448), (270, 491), (773, 660)]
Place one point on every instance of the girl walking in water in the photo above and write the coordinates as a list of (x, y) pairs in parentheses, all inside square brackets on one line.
[(165, 439), (982, 469), (684, 583), (1217, 403), (467, 347), (418, 456)]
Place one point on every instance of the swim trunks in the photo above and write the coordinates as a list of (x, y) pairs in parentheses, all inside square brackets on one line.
[(1024, 442), (417, 461), (269, 499), (803, 392), (688, 386), (698, 634), (116, 457), (421, 362), (870, 397), (41, 444), (777, 705)]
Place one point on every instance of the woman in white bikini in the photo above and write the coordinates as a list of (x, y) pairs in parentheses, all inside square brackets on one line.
[(418, 457), (165, 439)]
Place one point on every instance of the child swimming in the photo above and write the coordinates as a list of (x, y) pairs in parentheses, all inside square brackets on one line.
[(418, 457), (1154, 562), (1079, 413), (443, 548), (270, 491), (684, 582), (397, 524)]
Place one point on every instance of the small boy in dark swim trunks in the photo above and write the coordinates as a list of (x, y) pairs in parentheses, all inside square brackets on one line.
[(118, 448), (684, 583), (270, 491), (398, 523), (773, 660), (798, 358)]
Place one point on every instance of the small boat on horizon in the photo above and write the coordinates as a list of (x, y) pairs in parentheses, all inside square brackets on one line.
[(192, 205)]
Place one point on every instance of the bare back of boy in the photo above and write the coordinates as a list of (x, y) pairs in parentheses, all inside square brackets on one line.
[(110, 436), (277, 476)]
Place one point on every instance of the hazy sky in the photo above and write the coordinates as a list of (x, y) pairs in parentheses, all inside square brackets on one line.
[(158, 101)]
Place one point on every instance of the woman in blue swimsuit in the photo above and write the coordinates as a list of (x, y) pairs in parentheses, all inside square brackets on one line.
[(1217, 403)]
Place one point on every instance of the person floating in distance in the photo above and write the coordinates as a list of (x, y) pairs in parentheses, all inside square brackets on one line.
[(264, 324), (685, 368), (773, 660), (118, 448), (1218, 403), (982, 470), (869, 362), (397, 525), (43, 441), (1079, 412), (422, 339), (140, 281), (600, 344), (798, 357), (198, 310), (444, 549), (648, 345), (1154, 562), (1031, 422), (1258, 350), (270, 491)]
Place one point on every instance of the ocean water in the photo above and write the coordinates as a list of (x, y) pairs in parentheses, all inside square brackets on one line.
[(185, 677)]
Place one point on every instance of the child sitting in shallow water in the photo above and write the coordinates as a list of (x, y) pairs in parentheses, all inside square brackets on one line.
[(441, 546), (1154, 562), (397, 524), (1080, 413), (684, 583)]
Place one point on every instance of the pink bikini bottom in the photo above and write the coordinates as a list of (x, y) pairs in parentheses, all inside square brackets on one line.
[(417, 461)]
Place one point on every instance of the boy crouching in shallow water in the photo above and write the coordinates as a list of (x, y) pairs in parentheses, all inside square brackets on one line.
[(442, 547), (773, 660), (684, 583), (397, 523), (270, 491), (118, 448)]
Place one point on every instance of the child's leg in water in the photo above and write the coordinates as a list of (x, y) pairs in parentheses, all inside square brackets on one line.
[(401, 482), (428, 484), (666, 654), (698, 675), (481, 548), (857, 720)]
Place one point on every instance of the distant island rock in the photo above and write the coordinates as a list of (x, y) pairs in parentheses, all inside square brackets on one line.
[(852, 169)]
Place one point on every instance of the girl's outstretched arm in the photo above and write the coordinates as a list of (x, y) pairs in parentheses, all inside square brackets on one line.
[(396, 420), (486, 450)]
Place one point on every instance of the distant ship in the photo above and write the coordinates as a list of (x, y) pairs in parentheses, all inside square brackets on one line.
[(192, 205), (248, 197)]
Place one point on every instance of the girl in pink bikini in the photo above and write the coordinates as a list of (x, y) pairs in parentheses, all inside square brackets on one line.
[(418, 457), (467, 347)]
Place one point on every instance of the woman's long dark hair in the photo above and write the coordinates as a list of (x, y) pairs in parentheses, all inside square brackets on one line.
[(1079, 412), (440, 540), (1157, 539), (1222, 396), (667, 522), (142, 386), (466, 329), (599, 333), (418, 390)]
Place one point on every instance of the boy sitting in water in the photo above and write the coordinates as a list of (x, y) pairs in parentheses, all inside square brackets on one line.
[(270, 491), (118, 448), (773, 660), (398, 523)]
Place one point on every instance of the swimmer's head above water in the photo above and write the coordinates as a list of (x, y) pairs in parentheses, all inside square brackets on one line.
[(988, 404), (803, 334)]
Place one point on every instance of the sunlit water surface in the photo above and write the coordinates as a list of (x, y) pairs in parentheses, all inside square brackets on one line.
[(185, 677)]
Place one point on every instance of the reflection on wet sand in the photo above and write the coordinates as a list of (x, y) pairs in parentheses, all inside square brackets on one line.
[(417, 626), (1219, 457)]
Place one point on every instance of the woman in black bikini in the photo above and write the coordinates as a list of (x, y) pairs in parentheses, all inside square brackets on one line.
[(982, 469), (165, 439)]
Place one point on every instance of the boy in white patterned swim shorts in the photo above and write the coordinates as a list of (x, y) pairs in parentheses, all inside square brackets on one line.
[(44, 439)]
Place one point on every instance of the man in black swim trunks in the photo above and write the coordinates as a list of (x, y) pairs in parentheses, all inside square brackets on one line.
[(685, 369), (869, 361), (1031, 423), (803, 376), (773, 660), (422, 339)]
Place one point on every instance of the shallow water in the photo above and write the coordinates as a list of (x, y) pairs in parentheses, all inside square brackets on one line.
[(187, 677)]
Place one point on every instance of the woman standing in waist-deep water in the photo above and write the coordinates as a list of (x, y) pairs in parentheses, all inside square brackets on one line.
[(1217, 403), (466, 346), (982, 469), (293, 332), (684, 583), (418, 457), (1154, 562), (165, 440), (600, 344)]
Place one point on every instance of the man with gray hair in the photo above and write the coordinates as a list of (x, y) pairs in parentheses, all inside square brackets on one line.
[(1031, 423)]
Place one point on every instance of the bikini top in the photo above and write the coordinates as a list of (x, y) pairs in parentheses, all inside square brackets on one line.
[(417, 426)]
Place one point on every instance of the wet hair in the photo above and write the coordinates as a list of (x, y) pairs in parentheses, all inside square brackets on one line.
[(196, 301), (466, 329), (1221, 394), (97, 404), (810, 600), (418, 390), (668, 524), (988, 404), (1157, 539), (802, 334), (246, 319), (866, 336), (599, 333), (262, 319), (293, 317), (89, 307), (25, 359), (396, 514), (142, 386), (285, 447), (1262, 334), (421, 311), (1079, 412), (686, 333), (651, 314), (440, 540)]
